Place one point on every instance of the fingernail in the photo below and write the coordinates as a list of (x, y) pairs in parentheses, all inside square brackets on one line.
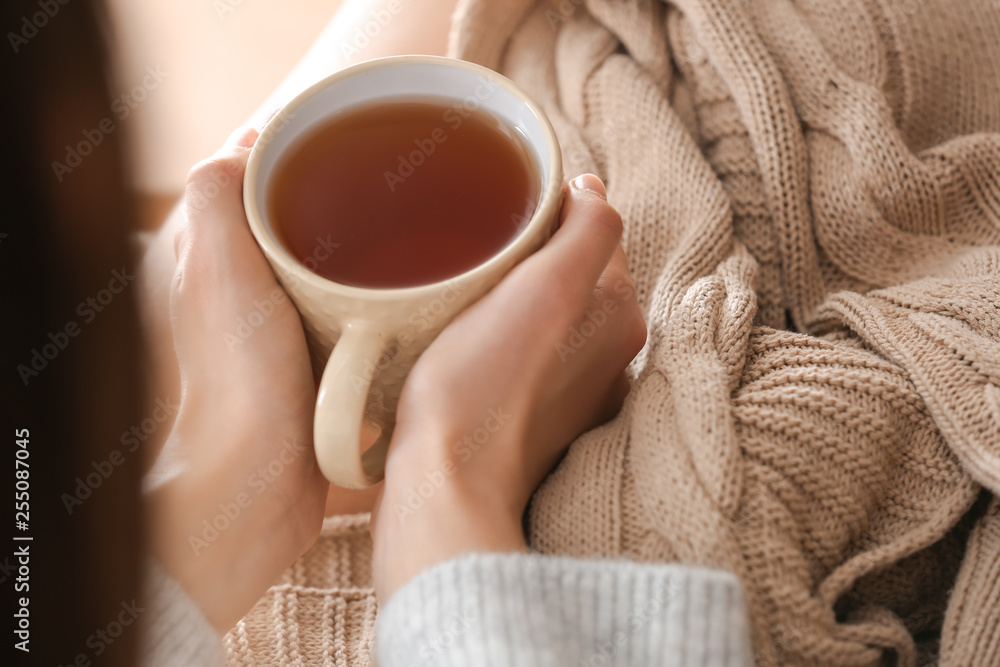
[(590, 183), (243, 137)]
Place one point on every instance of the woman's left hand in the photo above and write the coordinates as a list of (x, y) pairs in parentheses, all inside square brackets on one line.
[(249, 497)]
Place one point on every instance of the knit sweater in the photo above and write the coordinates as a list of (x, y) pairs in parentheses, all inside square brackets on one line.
[(478, 609), (811, 198), (543, 611)]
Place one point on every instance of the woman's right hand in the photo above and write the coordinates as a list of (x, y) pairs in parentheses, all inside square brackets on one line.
[(497, 398)]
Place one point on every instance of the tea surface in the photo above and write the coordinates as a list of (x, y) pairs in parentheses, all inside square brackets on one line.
[(403, 193)]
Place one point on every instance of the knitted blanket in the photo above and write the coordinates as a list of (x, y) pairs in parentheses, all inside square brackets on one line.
[(811, 194)]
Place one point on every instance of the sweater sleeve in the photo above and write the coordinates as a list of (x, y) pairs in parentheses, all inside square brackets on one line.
[(174, 632), (534, 611)]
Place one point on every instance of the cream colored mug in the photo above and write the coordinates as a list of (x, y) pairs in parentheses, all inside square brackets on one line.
[(376, 335)]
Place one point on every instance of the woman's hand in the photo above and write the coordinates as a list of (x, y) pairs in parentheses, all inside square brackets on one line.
[(249, 497), (493, 403)]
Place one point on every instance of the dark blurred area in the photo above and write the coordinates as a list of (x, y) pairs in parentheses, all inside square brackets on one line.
[(71, 344)]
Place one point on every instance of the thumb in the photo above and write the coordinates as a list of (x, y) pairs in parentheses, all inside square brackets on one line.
[(221, 272), (571, 263)]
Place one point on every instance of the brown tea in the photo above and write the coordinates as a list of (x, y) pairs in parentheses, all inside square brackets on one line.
[(403, 193)]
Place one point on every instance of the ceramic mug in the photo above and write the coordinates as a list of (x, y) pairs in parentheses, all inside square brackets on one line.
[(376, 335)]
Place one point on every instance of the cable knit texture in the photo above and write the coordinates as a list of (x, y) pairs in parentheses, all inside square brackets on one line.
[(321, 611), (811, 195), (496, 609)]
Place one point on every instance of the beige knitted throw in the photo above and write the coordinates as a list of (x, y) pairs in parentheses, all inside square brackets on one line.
[(811, 193)]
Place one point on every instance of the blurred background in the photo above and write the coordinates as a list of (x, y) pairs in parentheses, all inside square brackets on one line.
[(191, 71)]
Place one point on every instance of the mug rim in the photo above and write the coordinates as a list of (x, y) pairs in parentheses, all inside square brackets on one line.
[(550, 197)]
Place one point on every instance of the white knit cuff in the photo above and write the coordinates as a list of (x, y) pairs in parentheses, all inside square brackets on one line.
[(174, 631), (517, 609)]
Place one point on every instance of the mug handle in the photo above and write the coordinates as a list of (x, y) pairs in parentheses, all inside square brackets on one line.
[(340, 408)]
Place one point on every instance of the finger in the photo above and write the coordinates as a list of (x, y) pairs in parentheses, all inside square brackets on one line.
[(572, 262), (612, 403), (590, 183), (216, 240), (617, 297), (269, 117), (203, 185), (588, 236), (616, 280), (243, 137), (534, 308), (221, 274)]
